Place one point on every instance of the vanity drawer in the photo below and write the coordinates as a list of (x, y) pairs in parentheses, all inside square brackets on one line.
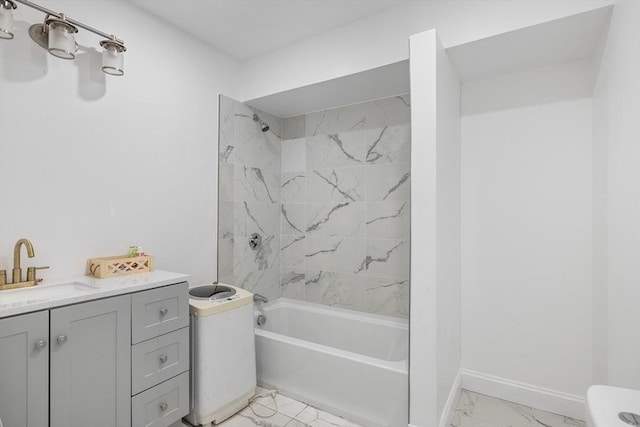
[(163, 404), (158, 359), (159, 311)]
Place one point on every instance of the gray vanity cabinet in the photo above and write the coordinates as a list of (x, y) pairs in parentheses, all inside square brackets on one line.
[(24, 370), (90, 364), (71, 366), (160, 356)]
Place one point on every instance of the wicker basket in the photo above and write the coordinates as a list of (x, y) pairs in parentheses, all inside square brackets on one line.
[(114, 266)]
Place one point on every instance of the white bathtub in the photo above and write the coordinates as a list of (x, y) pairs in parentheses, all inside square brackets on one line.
[(345, 362)]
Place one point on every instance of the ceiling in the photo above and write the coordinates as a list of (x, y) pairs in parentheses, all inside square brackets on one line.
[(245, 29)]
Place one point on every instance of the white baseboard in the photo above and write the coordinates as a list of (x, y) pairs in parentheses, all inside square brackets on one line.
[(449, 409), (569, 405), (452, 401)]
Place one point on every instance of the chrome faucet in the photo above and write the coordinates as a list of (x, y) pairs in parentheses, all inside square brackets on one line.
[(260, 298)]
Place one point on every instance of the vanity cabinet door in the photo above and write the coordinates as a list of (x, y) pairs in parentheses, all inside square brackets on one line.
[(24, 370), (91, 365)]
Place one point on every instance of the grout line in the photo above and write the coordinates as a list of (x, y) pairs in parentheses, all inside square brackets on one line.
[(301, 411)]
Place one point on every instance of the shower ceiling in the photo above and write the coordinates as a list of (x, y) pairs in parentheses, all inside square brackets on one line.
[(245, 29)]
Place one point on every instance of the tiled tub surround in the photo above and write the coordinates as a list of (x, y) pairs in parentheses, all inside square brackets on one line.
[(308, 351), (248, 199), (345, 207), (330, 199)]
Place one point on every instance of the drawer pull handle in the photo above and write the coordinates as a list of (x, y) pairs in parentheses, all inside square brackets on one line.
[(40, 344), (163, 358), (163, 311), (163, 406), (62, 339)]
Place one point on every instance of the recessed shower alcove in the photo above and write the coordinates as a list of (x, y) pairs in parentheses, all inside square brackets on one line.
[(314, 213)]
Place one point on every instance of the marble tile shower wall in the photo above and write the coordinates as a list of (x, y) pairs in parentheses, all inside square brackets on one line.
[(249, 199), (345, 207)]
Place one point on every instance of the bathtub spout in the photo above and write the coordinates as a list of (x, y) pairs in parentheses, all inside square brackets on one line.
[(260, 298)]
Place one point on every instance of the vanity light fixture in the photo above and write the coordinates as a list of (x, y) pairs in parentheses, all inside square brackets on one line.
[(112, 57), (6, 19), (57, 35), (62, 42)]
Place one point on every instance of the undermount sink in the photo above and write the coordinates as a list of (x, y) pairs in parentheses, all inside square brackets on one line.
[(41, 293)]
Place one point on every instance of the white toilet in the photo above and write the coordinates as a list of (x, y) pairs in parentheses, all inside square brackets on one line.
[(612, 406)]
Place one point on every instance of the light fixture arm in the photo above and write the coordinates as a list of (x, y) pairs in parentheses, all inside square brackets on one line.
[(69, 20)]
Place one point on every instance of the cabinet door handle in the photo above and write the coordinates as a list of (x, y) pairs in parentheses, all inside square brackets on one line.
[(40, 344), (163, 358), (163, 406), (61, 339), (163, 311)]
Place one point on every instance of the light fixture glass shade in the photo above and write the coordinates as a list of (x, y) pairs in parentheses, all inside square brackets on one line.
[(62, 42), (6, 19), (112, 57)]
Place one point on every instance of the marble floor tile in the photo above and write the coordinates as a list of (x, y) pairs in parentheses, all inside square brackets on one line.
[(543, 419), (473, 410), (260, 411), (296, 423), (467, 402), (316, 418), (247, 418), (465, 421), (286, 405), (500, 413), (478, 410), (287, 409)]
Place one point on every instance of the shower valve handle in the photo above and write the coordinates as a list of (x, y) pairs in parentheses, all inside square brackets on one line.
[(255, 241)]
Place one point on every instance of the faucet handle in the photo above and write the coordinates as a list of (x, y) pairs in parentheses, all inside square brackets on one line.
[(31, 273), (260, 298), (3, 277)]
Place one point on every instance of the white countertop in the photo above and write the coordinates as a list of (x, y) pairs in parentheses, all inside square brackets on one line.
[(56, 293)]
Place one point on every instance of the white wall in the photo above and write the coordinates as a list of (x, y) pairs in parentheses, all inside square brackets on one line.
[(422, 313), (526, 244), (616, 142), (381, 39), (435, 231), (91, 164), (448, 297)]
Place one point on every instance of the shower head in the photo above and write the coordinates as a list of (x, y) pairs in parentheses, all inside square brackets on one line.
[(263, 126)]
